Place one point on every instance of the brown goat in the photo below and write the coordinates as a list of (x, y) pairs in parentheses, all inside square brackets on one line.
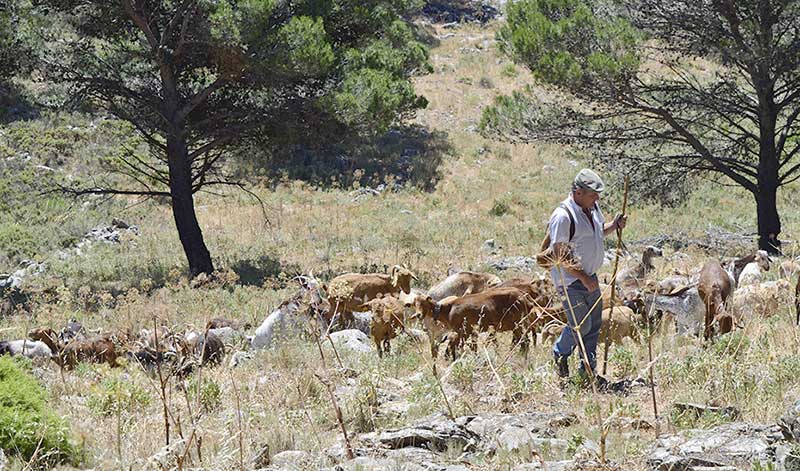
[(622, 324), (220, 322), (100, 349), (714, 289), (388, 318), (209, 348), (629, 278), (463, 283), (503, 309), (540, 290), (348, 293)]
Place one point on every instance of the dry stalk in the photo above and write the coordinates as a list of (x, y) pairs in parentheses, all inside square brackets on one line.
[(338, 411), (328, 336), (607, 343), (238, 420), (162, 384), (651, 375), (301, 398), (321, 355), (496, 375)]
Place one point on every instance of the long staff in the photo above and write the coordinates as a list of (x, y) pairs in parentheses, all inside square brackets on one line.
[(614, 276)]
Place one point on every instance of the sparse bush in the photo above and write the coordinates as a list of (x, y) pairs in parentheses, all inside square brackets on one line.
[(500, 208), (486, 82), (734, 344), (207, 391), (425, 396), (116, 394), (509, 70), (27, 427), (623, 361), (575, 441), (462, 372), (16, 243)]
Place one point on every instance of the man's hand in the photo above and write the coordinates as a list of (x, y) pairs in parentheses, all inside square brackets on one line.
[(590, 283), (620, 221)]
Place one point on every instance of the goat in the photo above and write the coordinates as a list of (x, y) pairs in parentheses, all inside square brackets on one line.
[(388, 317), (349, 292), (221, 322), (100, 349), (26, 348), (629, 278), (789, 268), (503, 309), (294, 316), (73, 330), (540, 289), (209, 348), (541, 293), (735, 266), (752, 272), (435, 329), (622, 324), (762, 299), (684, 306), (714, 289), (463, 283), (552, 330)]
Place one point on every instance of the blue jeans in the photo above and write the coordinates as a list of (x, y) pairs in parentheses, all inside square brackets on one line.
[(586, 316)]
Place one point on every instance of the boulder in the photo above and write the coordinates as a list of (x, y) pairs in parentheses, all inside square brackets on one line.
[(292, 460), (737, 444), (789, 423), (353, 340), (435, 432)]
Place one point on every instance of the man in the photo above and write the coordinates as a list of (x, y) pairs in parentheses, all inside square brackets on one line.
[(578, 227)]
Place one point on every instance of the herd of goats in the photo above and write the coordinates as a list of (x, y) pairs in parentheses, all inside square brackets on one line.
[(713, 300)]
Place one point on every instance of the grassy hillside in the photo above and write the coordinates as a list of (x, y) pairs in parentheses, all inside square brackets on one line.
[(485, 190)]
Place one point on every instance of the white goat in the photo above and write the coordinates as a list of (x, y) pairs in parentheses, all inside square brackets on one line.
[(764, 299), (752, 273), (27, 348)]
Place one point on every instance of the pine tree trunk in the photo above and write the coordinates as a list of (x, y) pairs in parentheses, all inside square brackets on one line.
[(180, 186), (769, 222)]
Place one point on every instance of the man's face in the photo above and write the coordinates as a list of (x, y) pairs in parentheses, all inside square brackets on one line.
[(586, 198)]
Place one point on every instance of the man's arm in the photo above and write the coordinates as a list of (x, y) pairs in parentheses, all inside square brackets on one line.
[(561, 252)]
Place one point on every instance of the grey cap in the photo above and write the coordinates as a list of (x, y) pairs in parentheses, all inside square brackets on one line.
[(588, 180)]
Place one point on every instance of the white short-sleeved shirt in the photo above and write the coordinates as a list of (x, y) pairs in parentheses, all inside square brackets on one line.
[(587, 243)]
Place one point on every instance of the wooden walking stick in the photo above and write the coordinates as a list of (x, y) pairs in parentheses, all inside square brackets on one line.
[(614, 276)]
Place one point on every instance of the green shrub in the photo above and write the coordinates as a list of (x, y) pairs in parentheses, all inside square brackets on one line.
[(509, 70), (27, 428), (209, 392), (624, 362), (115, 394), (575, 441), (500, 208), (16, 243)]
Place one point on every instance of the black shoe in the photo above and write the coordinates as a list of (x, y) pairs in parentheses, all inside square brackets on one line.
[(601, 383), (562, 366)]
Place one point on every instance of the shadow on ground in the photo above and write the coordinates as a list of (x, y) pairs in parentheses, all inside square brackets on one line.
[(403, 156)]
